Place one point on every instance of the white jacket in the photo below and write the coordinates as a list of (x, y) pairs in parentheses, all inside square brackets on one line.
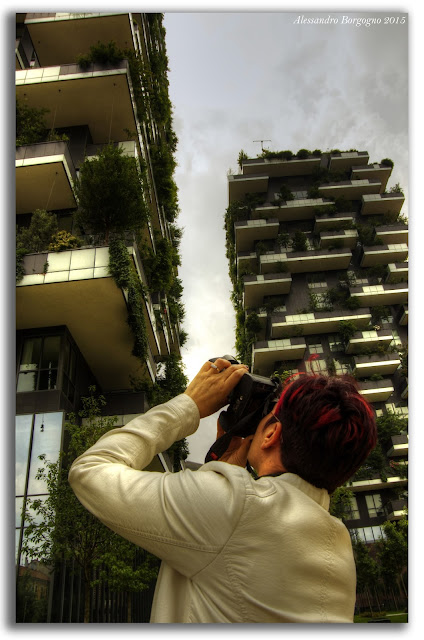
[(234, 549)]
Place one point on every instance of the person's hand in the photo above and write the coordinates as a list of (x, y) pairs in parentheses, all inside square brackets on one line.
[(211, 387), (237, 450)]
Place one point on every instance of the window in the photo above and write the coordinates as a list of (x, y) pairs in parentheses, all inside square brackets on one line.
[(300, 195), (374, 505), (341, 367), (39, 362), (316, 366), (368, 534), (354, 511), (315, 348), (335, 342)]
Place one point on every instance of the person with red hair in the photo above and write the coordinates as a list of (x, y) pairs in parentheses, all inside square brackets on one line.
[(238, 547)]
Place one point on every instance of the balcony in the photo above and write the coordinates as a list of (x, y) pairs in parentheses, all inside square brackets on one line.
[(384, 364), (403, 315), (275, 168), (376, 390), (268, 352), (247, 232), (381, 294), (369, 339), (239, 186), (77, 291), (306, 261), (344, 160), (377, 483), (399, 446), (392, 233), (284, 325), (329, 223), (374, 204), (350, 189), (374, 171), (383, 254), (345, 238), (247, 260), (301, 209), (59, 38), (395, 509), (45, 177), (100, 97), (397, 272), (270, 284)]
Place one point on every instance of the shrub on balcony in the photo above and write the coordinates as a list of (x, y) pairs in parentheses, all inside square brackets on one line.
[(352, 303), (342, 204), (102, 53), (285, 193), (302, 154), (242, 156), (386, 162), (317, 153), (63, 241), (298, 242), (397, 189), (110, 193), (346, 330), (37, 236), (30, 124)]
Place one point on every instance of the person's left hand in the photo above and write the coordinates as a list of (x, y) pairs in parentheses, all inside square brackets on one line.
[(211, 387), (237, 450)]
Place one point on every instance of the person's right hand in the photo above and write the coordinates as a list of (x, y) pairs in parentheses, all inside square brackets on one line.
[(211, 387)]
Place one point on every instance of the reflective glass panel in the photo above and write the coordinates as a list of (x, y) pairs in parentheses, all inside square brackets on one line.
[(22, 438), (47, 440), (31, 351), (50, 355), (27, 381)]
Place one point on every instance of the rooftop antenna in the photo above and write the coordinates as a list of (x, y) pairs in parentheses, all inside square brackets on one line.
[(262, 142)]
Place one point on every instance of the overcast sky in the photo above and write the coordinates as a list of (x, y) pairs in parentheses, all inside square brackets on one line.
[(240, 77)]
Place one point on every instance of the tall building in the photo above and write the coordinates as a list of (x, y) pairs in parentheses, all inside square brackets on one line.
[(318, 256), (97, 304)]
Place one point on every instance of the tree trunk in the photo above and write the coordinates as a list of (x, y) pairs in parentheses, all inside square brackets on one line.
[(129, 607), (86, 601)]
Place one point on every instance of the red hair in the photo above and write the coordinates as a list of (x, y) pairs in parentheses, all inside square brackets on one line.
[(328, 428)]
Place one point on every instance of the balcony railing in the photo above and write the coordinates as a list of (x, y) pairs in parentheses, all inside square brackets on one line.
[(275, 167), (306, 261), (376, 390), (383, 254), (373, 171), (384, 364), (345, 237), (382, 203), (270, 284), (343, 160), (239, 185), (300, 209), (329, 222), (399, 446), (350, 189), (267, 354), (247, 232), (393, 233), (381, 294), (285, 325), (397, 272), (369, 339)]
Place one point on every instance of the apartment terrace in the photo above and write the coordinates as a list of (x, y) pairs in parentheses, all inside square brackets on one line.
[(344, 160), (376, 390), (45, 177), (306, 261), (78, 291), (347, 237), (370, 338), (383, 254), (59, 38), (328, 222), (403, 315), (276, 168), (377, 483), (397, 272), (269, 284), (239, 185), (247, 232), (350, 189), (393, 233), (381, 294), (374, 171), (284, 325), (292, 210), (382, 364), (374, 204), (395, 509), (399, 446), (266, 353), (100, 97)]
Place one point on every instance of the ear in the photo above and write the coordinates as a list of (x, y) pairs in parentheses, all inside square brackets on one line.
[(272, 435)]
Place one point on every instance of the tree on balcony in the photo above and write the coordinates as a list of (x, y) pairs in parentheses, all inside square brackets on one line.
[(30, 124), (110, 194)]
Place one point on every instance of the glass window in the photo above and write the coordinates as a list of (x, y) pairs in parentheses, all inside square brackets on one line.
[(39, 362), (316, 366), (19, 503), (31, 351), (354, 511), (23, 428), (374, 505), (46, 440), (315, 348), (341, 367), (335, 342), (368, 534)]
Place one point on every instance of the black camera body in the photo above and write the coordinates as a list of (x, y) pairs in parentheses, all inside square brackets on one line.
[(252, 398)]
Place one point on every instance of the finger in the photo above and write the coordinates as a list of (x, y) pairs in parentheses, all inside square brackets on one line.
[(222, 364), (219, 430)]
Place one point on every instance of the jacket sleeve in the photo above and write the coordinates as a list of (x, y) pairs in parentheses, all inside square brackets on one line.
[(183, 518)]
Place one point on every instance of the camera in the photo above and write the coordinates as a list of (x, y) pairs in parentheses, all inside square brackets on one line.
[(251, 400)]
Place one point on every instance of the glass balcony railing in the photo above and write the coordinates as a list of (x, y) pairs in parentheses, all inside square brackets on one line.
[(384, 364)]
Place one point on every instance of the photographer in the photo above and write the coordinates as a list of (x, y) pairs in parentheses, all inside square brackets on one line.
[(236, 549)]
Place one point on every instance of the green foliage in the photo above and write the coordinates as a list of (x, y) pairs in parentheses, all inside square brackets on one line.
[(379, 313), (110, 193), (63, 241), (386, 162), (388, 425), (29, 607), (317, 153), (61, 529), (340, 503), (342, 204), (367, 569), (37, 236), (392, 551), (285, 193), (123, 272), (160, 266), (30, 124), (298, 242), (346, 330), (20, 269), (278, 155), (352, 303), (396, 189), (302, 154), (102, 53), (242, 156)]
